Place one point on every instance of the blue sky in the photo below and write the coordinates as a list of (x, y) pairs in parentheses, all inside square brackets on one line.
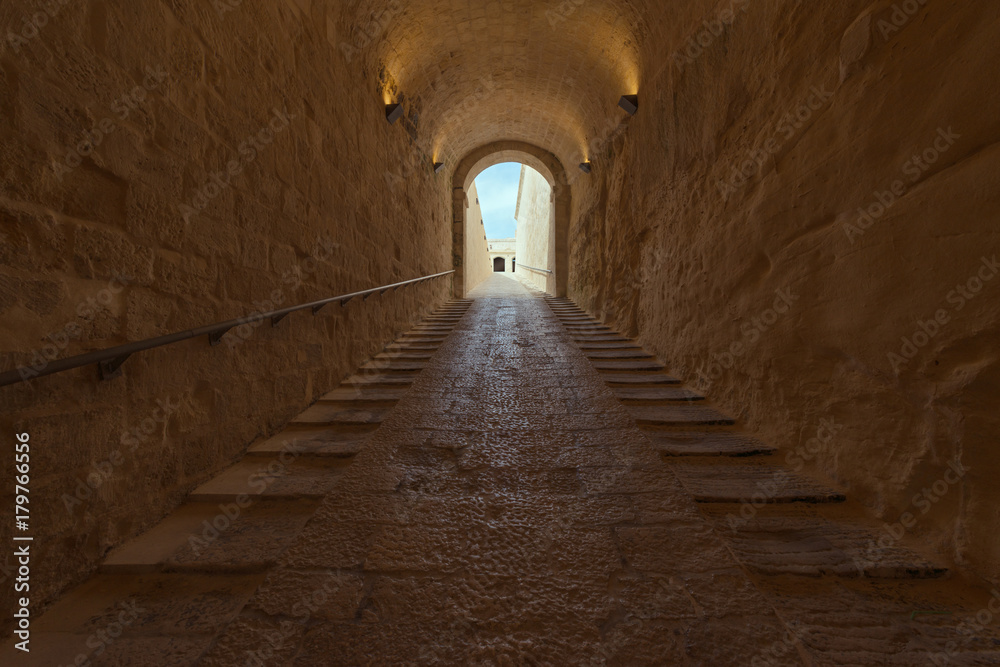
[(497, 187)]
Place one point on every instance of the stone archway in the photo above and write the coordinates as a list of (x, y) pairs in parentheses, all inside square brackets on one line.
[(546, 164)]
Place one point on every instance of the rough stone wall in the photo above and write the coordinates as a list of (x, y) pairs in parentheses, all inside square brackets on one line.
[(169, 164), (535, 227), (802, 218), (477, 258)]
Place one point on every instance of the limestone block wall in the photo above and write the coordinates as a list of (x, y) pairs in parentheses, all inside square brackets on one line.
[(165, 165), (477, 258), (802, 219), (535, 227)]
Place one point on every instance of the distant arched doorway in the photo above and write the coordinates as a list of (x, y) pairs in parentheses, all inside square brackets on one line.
[(499, 266), (552, 170)]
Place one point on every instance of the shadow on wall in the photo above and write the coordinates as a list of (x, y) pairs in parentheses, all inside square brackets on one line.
[(824, 251), (118, 228)]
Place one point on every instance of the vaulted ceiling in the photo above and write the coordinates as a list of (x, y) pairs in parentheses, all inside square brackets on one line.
[(472, 72)]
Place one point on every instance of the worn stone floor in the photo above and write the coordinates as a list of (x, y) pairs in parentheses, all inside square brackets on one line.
[(512, 483)]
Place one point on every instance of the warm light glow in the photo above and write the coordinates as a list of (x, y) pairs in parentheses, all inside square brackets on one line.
[(465, 99)]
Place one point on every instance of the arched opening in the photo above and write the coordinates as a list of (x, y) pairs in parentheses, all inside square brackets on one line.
[(553, 275), (499, 265)]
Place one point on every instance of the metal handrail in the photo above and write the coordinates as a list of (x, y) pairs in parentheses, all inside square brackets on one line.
[(534, 269), (110, 361)]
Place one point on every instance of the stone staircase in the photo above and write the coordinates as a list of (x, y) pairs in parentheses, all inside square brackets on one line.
[(888, 604), (187, 577), (467, 524)]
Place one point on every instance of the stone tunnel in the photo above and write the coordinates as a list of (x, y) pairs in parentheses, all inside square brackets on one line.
[(264, 399)]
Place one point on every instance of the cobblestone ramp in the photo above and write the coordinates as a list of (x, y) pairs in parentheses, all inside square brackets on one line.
[(510, 483)]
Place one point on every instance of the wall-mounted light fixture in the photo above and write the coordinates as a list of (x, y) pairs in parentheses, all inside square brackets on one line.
[(393, 112), (585, 167), (630, 103), (438, 166)]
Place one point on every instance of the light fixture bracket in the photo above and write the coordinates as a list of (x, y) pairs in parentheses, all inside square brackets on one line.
[(393, 112), (630, 103)]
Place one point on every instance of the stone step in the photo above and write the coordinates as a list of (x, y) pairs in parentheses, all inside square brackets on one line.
[(420, 339), (638, 379), (618, 354), (343, 442), (707, 443), (340, 413), (412, 347), (404, 356), (437, 331), (149, 619), (752, 482), (215, 537), (678, 415), (365, 395), (919, 623), (394, 365), (601, 338), (626, 365), (648, 395), (378, 379), (288, 475), (609, 345), (816, 547), (588, 328)]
